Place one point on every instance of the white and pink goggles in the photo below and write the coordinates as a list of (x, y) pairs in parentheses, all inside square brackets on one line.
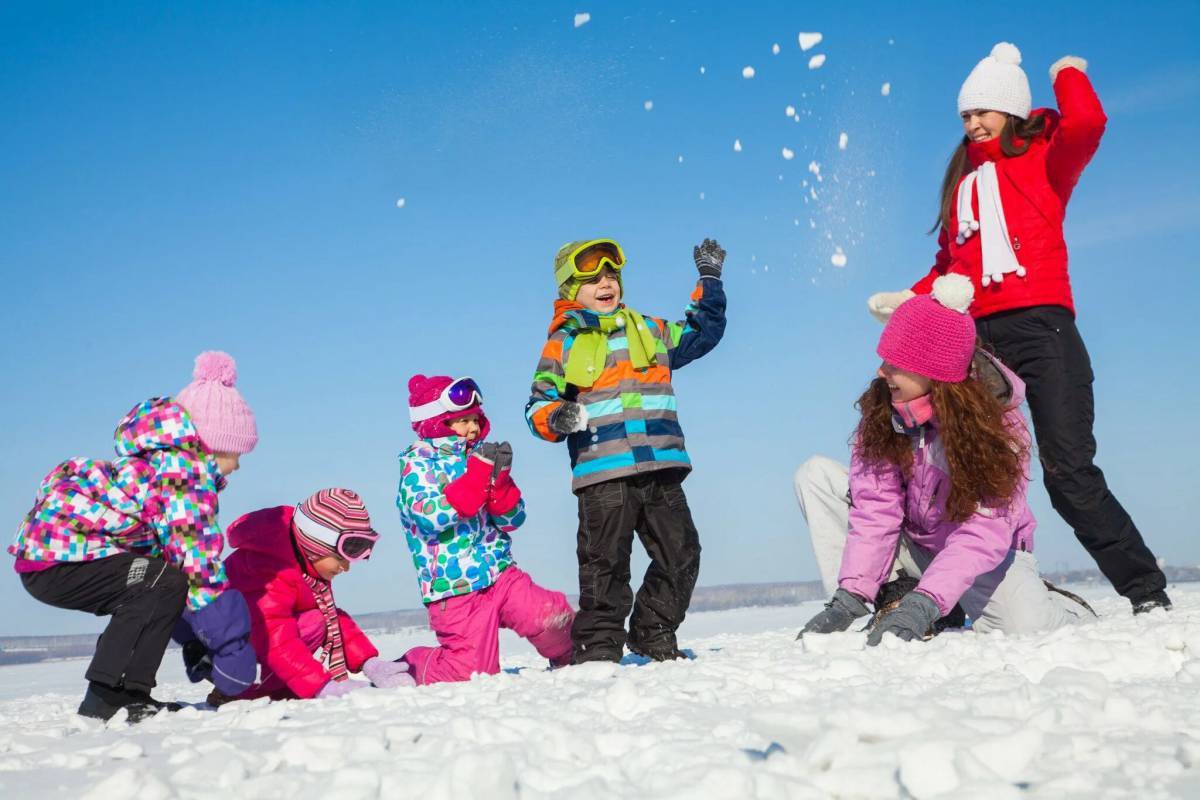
[(458, 396), (352, 545)]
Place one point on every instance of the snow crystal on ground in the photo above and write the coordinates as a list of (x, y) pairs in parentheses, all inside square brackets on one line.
[(809, 40), (1107, 709), (582, 19), (816, 61)]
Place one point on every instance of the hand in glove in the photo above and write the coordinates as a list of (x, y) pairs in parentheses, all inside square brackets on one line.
[(838, 615), (710, 258), (911, 619), (341, 688), (387, 674), (568, 418), (1064, 62), (504, 495), (468, 492), (882, 304), (216, 643)]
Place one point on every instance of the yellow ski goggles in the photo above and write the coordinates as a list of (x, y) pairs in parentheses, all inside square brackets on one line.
[(589, 259)]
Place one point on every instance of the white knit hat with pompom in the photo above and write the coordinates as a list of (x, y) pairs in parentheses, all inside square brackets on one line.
[(997, 84)]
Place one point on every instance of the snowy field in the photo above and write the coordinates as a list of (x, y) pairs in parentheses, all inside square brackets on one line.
[(1106, 710)]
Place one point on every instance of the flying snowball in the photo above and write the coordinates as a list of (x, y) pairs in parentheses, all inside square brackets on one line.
[(582, 19), (809, 40), (788, 155), (747, 72), (816, 61)]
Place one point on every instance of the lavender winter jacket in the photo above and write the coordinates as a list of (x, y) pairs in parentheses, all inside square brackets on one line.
[(884, 505)]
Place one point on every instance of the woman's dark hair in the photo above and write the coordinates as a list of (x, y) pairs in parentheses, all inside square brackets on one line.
[(1015, 138)]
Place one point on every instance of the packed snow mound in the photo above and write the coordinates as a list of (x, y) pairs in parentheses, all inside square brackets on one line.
[(1108, 709)]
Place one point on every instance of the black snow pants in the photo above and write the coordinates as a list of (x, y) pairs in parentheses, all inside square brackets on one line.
[(1043, 346), (653, 505), (145, 597)]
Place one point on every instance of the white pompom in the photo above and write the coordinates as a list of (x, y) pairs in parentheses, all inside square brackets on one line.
[(955, 292), (974, 225), (1006, 53)]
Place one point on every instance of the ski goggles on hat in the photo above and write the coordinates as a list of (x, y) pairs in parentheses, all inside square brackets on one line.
[(458, 396), (589, 260), (351, 545)]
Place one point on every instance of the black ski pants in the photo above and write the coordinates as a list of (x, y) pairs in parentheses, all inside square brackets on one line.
[(653, 505), (145, 597), (1043, 346)]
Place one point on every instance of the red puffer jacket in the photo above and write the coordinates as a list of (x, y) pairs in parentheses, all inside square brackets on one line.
[(1034, 189), (265, 567)]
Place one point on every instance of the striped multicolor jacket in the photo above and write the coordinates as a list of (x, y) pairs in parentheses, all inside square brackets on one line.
[(157, 498), (632, 422), (453, 555)]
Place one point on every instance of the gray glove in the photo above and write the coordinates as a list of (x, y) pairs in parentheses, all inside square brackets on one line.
[(502, 459), (710, 258), (568, 418), (838, 615), (486, 451), (911, 619)]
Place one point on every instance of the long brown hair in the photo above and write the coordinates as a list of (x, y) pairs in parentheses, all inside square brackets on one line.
[(985, 456), (1015, 138)]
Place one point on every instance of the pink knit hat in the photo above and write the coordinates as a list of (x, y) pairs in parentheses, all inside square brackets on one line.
[(932, 334), (222, 418), (422, 390)]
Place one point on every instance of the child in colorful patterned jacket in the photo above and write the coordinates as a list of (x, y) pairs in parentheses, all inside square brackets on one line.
[(604, 385), (137, 538), (936, 485), (285, 561), (458, 504)]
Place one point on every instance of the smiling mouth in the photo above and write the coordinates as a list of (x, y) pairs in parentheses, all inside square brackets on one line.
[(606, 297)]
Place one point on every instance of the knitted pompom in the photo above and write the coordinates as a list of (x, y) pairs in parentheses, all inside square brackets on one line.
[(213, 365), (954, 291), (416, 382), (1006, 53)]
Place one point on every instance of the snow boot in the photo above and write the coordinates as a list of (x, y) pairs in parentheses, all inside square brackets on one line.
[(1152, 601), (665, 649), (103, 702)]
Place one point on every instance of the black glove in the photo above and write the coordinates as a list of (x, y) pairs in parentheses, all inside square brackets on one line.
[(912, 619), (838, 615), (710, 258), (502, 459), (568, 418)]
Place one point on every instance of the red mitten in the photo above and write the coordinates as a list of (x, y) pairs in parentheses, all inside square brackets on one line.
[(505, 494), (469, 491)]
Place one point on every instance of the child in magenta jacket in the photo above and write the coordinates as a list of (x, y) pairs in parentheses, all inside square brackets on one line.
[(138, 539), (459, 504), (284, 563), (1004, 198), (938, 474)]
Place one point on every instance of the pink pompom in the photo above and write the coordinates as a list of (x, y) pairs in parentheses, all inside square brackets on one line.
[(213, 365)]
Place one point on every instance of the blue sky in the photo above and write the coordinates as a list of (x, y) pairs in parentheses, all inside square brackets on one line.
[(181, 177)]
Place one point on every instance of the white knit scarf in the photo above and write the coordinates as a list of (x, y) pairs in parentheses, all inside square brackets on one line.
[(999, 257)]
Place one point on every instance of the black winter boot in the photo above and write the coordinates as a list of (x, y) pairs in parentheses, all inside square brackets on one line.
[(103, 702), (1152, 601)]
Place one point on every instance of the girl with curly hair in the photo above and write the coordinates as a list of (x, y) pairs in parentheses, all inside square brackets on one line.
[(936, 487)]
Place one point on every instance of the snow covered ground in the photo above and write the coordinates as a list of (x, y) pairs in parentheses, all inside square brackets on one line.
[(1110, 709)]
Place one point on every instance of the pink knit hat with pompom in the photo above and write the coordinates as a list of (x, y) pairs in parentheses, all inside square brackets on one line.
[(932, 334), (222, 418), (426, 389)]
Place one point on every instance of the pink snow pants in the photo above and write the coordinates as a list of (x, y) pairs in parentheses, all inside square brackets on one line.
[(468, 629)]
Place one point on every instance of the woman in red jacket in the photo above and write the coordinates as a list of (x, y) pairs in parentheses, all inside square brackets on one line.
[(284, 563), (1002, 206)]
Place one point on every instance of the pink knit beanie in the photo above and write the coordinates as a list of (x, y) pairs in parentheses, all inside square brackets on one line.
[(932, 334), (426, 389), (222, 418)]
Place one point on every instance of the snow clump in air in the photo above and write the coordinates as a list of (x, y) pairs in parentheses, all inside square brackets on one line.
[(816, 61), (886, 89), (809, 40), (788, 155), (843, 139), (838, 259), (737, 145), (747, 72), (582, 19)]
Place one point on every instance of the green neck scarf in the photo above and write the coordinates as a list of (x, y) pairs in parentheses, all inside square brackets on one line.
[(589, 350)]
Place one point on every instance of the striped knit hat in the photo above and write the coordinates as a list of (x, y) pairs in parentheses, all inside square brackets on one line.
[(321, 520)]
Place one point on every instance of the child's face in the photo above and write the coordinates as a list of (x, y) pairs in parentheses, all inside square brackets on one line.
[(329, 567), (904, 385), (601, 294), (980, 125), (466, 427), (228, 463)]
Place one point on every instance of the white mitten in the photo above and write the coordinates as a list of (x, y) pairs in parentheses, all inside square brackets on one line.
[(882, 304), (1064, 62)]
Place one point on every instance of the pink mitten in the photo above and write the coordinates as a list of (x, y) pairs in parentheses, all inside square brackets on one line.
[(341, 688), (388, 674)]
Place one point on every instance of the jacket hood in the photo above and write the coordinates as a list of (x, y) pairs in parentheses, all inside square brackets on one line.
[(159, 423), (267, 531), (999, 379)]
